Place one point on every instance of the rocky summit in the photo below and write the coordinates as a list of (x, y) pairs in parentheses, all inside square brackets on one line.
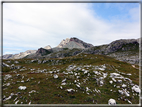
[(74, 43), (47, 47), (63, 42)]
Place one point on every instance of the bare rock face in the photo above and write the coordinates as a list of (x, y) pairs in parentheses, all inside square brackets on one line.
[(123, 45), (63, 42), (74, 43), (47, 47), (84, 44), (42, 51)]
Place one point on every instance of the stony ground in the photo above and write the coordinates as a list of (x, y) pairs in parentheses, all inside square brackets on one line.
[(82, 79)]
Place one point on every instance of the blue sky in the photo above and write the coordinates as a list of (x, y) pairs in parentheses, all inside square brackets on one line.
[(114, 10), (29, 26)]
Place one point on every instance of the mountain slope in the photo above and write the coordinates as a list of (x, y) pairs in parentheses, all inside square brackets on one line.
[(39, 53), (81, 79), (7, 56), (124, 50)]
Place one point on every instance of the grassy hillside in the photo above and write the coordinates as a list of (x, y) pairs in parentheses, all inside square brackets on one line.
[(81, 79)]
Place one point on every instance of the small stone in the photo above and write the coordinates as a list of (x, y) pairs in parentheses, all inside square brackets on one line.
[(22, 87), (111, 102), (110, 82), (124, 85), (55, 76), (70, 90)]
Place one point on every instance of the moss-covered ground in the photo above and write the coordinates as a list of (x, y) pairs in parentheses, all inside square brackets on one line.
[(87, 76)]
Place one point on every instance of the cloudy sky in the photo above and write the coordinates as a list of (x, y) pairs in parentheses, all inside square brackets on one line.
[(29, 26)]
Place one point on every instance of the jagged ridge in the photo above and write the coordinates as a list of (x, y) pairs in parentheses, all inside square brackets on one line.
[(124, 50)]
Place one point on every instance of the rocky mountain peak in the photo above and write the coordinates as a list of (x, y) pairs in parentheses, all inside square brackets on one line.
[(42, 51), (73, 43), (47, 47), (74, 39), (63, 42)]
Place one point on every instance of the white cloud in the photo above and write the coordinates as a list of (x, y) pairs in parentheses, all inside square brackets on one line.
[(33, 25), (135, 13)]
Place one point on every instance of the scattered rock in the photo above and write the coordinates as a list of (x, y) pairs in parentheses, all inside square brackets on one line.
[(22, 87), (111, 102), (70, 90), (7, 76), (136, 88), (55, 76)]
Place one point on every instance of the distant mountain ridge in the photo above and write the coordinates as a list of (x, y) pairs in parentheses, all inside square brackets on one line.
[(65, 44), (124, 50), (18, 56), (69, 43)]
